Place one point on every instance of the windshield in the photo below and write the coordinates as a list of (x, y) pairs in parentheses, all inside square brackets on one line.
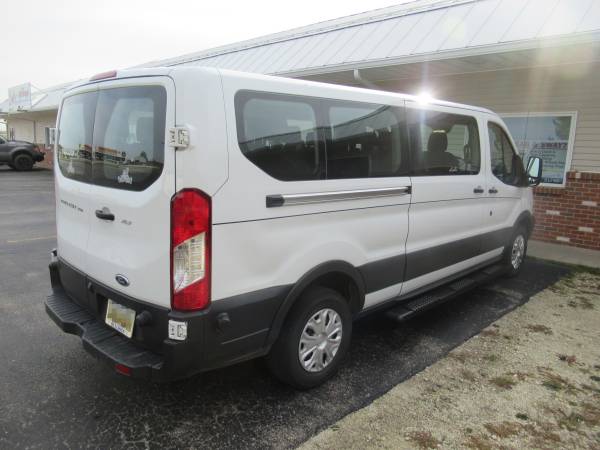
[(113, 137)]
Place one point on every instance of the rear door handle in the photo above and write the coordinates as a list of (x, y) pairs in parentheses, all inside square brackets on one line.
[(105, 214), (493, 190), (478, 190)]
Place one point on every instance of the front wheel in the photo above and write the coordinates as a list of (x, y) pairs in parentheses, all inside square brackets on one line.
[(314, 339), (514, 253)]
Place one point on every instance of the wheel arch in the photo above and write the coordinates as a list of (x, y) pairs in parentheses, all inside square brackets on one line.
[(527, 220), (338, 275), (18, 151)]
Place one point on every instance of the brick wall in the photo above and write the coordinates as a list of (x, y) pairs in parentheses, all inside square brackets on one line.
[(570, 215), (48, 161)]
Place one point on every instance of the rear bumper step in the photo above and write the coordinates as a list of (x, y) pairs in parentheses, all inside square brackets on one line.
[(443, 293), (100, 340)]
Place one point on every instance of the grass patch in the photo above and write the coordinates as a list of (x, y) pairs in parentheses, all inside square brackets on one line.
[(467, 375), (424, 439), (555, 382), (571, 422), (479, 443), (538, 328), (521, 376), (503, 429), (491, 358), (544, 434), (504, 382), (595, 378), (593, 389), (490, 332), (569, 359), (591, 415), (461, 356)]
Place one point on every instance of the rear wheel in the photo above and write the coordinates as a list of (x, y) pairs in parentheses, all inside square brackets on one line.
[(314, 340), (22, 162), (514, 253)]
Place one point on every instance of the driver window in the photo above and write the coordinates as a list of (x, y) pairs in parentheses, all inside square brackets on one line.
[(506, 164), (443, 143)]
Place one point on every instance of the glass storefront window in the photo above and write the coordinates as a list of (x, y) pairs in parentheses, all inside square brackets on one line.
[(547, 135)]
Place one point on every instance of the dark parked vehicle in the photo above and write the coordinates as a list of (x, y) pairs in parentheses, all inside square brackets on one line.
[(19, 155)]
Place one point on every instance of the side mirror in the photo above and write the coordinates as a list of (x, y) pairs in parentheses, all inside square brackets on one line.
[(534, 170)]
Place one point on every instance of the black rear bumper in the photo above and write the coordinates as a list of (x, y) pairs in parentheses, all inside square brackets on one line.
[(230, 330), (100, 340)]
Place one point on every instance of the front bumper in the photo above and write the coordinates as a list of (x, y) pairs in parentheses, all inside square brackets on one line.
[(38, 156), (229, 331)]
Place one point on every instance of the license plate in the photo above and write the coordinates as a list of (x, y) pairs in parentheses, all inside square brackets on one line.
[(120, 318)]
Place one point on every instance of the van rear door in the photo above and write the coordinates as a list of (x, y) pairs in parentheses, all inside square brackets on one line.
[(133, 180), (72, 175), (130, 181)]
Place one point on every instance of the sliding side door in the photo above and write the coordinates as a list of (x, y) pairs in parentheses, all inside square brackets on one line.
[(448, 181)]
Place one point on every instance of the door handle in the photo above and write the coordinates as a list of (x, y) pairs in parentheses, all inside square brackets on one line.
[(493, 190), (478, 190), (105, 214)]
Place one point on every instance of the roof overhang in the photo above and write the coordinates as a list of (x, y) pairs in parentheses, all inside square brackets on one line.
[(582, 49)]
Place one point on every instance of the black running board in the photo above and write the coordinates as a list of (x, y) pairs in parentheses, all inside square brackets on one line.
[(441, 294)]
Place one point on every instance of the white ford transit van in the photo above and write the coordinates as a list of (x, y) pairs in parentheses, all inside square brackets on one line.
[(206, 217)]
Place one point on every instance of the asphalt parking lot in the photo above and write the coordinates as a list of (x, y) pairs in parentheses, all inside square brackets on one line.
[(53, 394)]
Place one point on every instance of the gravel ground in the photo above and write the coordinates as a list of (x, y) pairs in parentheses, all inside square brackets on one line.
[(530, 380)]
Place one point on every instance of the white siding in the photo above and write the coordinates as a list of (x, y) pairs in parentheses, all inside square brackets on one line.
[(546, 89), (24, 126)]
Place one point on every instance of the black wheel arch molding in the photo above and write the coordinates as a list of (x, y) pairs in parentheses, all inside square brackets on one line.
[(325, 274), (527, 219)]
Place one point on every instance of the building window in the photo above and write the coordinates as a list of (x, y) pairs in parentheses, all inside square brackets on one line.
[(49, 136), (550, 136)]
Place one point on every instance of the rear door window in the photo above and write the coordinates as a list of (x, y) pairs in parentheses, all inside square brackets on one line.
[(74, 148), (129, 137), (114, 137)]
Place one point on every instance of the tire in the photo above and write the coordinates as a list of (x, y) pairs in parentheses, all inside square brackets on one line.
[(22, 162), (515, 251), (316, 306)]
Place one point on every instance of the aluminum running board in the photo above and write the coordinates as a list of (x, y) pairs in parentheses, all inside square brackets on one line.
[(443, 293)]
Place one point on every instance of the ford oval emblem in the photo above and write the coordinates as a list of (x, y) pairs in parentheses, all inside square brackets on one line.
[(122, 280)]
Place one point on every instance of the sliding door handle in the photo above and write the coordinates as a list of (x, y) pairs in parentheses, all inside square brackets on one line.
[(478, 190)]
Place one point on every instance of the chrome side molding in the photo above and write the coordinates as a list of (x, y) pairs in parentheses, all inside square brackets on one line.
[(276, 200)]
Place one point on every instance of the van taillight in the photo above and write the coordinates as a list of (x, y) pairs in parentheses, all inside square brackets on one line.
[(190, 250)]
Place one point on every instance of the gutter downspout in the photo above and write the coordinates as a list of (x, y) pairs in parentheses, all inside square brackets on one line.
[(366, 83)]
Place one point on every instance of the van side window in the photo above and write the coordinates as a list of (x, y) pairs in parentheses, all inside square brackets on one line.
[(365, 141), (506, 163), (278, 133), (443, 143)]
